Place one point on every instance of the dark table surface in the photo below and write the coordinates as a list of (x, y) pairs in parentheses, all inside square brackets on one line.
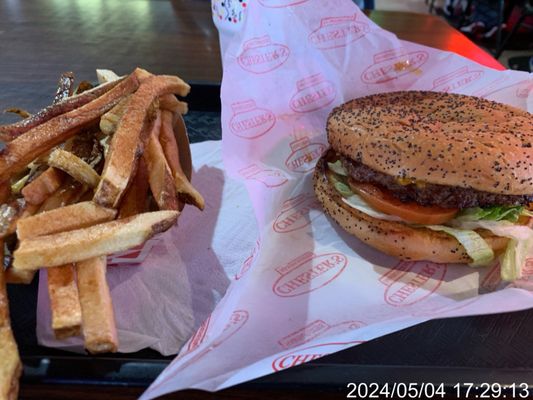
[(41, 39)]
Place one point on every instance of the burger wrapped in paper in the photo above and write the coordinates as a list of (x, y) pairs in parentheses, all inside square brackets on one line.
[(432, 176)]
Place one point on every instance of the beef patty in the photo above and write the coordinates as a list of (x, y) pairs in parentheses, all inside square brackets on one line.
[(428, 194)]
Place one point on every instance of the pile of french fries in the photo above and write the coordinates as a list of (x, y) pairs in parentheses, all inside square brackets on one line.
[(96, 172)]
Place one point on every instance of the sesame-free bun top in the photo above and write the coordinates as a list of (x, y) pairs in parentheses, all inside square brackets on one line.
[(439, 138)]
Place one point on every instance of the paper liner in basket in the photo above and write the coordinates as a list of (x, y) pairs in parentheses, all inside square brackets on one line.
[(308, 289)]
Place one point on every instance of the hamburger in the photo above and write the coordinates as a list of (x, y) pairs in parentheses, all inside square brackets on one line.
[(431, 176)]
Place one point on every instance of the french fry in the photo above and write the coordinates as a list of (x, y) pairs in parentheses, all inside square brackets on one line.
[(19, 277), (185, 191), (97, 240), (110, 120), (62, 289), (67, 194), (19, 152), (43, 186), (135, 199), (127, 141), (5, 192), (75, 216), (99, 329), (64, 301), (10, 215), (10, 132), (74, 166), (170, 103), (10, 365), (159, 174), (106, 75)]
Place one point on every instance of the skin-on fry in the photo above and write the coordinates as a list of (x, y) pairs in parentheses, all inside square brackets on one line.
[(10, 365), (18, 153), (62, 289), (135, 200), (10, 132), (64, 219), (10, 215), (19, 277), (82, 244), (43, 186), (5, 191), (67, 194), (110, 120), (64, 301), (170, 103), (185, 191), (99, 329), (106, 75), (159, 174), (74, 166), (127, 140)]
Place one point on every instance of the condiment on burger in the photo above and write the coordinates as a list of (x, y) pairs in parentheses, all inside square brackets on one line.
[(432, 176)]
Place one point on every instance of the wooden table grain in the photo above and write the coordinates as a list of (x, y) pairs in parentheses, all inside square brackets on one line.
[(40, 39)]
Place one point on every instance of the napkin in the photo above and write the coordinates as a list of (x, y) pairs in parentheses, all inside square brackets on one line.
[(307, 288)]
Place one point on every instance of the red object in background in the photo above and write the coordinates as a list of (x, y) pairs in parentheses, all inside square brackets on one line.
[(527, 24)]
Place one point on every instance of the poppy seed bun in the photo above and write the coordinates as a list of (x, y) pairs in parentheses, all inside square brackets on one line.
[(393, 238), (440, 138)]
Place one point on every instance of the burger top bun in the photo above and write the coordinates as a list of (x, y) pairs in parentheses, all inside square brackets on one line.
[(440, 138), (394, 238)]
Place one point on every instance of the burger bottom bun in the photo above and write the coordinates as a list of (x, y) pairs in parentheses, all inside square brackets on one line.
[(394, 238)]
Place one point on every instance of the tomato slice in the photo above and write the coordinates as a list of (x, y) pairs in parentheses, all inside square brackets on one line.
[(383, 200)]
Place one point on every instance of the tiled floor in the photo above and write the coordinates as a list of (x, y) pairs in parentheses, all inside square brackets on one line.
[(421, 7)]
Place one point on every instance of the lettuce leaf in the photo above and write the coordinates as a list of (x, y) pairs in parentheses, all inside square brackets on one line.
[(518, 248), (338, 168), (496, 213), (476, 247)]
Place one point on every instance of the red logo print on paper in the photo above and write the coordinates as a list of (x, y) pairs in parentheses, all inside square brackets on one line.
[(492, 280), (456, 80), (294, 213), (134, 256), (523, 91), (489, 88), (247, 264), (393, 64), (411, 282), (308, 272), (260, 55), (304, 155), (281, 3), (312, 93), (196, 340), (335, 32), (236, 321), (270, 177), (249, 121), (301, 356), (316, 329)]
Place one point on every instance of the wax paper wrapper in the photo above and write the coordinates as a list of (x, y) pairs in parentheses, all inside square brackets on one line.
[(309, 289), (164, 290)]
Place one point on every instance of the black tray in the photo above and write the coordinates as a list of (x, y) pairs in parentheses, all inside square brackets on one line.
[(483, 349)]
